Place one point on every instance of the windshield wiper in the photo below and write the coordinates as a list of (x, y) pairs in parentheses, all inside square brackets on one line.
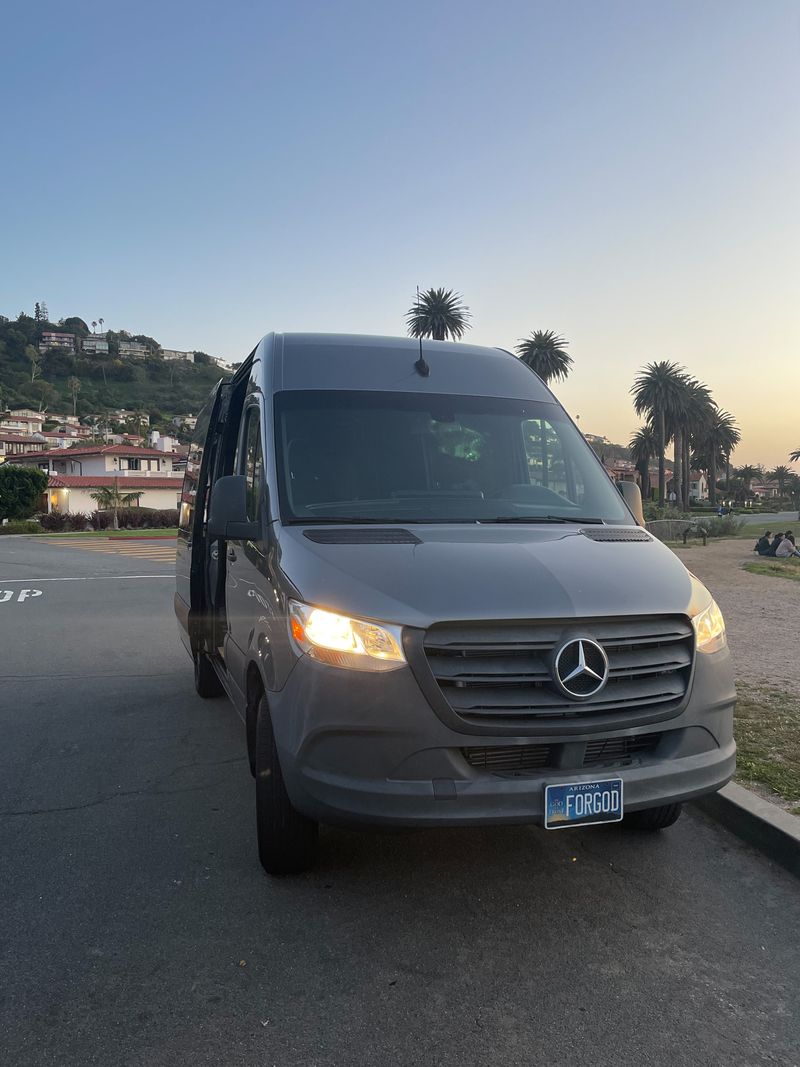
[(582, 520)]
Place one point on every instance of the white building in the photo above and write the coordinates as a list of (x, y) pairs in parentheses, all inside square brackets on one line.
[(174, 354), (57, 340), (185, 422), (95, 345), (133, 349), (120, 461), (72, 494), (22, 421)]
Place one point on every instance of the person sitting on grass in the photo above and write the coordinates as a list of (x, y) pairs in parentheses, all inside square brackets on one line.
[(787, 547), (762, 544), (773, 548)]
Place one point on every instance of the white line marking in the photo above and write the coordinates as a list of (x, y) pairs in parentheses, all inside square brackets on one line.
[(94, 578)]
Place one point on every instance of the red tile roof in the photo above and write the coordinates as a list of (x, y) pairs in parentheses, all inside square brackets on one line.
[(104, 450), (16, 439), (125, 483)]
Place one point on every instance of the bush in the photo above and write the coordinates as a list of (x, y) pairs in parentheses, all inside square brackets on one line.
[(55, 522), (727, 526), (29, 527), (77, 521), (136, 519)]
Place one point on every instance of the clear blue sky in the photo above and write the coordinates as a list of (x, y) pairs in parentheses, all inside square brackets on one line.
[(625, 173)]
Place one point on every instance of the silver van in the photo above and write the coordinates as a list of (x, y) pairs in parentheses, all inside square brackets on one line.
[(431, 605)]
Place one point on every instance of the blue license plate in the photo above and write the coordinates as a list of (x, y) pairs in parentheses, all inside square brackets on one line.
[(582, 803)]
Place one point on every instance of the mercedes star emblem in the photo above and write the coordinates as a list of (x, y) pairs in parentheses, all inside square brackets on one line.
[(581, 668)]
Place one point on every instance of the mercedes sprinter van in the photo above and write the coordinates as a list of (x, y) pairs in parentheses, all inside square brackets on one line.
[(431, 605)]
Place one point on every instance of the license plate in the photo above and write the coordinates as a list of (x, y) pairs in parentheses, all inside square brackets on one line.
[(582, 803)]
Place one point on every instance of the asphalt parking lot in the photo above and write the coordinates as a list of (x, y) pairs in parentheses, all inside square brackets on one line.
[(137, 927)]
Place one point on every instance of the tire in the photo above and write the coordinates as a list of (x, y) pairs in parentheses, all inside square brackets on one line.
[(287, 840), (654, 818), (206, 681)]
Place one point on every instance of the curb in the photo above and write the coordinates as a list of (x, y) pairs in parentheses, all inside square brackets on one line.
[(761, 824)]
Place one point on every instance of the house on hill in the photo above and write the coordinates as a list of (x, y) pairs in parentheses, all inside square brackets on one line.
[(75, 473)]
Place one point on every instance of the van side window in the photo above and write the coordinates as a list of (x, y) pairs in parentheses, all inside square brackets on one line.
[(251, 462)]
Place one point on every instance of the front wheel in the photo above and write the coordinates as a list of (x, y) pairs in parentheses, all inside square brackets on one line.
[(287, 840), (654, 818)]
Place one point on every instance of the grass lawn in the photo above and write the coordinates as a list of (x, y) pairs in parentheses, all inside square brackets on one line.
[(767, 731), (777, 568)]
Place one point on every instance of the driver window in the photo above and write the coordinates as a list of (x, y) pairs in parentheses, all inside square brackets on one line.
[(249, 461)]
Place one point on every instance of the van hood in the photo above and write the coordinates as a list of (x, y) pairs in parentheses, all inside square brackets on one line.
[(487, 572)]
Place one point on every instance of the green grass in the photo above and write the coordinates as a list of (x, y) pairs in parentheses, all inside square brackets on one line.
[(776, 568), (767, 731)]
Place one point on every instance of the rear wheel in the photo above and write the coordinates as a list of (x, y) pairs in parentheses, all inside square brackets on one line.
[(206, 681), (654, 818), (287, 840)]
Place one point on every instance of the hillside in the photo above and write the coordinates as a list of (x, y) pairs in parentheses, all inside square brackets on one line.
[(46, 380)]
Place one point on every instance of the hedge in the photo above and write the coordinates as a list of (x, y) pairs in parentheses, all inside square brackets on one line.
[(129, 519)]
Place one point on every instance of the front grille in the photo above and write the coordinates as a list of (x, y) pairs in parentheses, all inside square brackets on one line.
[(501, 673), (614, 749), (510, 759)]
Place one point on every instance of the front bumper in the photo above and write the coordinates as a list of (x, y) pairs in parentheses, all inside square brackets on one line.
[(358, 748)]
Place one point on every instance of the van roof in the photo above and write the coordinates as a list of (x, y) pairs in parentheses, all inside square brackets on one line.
[(355, 361)]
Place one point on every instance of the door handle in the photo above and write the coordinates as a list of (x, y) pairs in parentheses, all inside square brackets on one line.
[(232, 555)]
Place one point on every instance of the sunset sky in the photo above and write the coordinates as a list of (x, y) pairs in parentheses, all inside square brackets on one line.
[(624, 173)]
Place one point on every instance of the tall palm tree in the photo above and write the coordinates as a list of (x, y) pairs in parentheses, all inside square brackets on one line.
[(794, 456), (438, 313), (94, 326), (745, 475), (781, 475), (101, 321), (74, 388), (111, 499), (698, 409), (718, 437), (657, 394), (546, 354), (642, 448)]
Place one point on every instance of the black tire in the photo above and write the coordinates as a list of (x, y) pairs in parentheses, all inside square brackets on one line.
[(206, 681), (654, 818), (287, 840)]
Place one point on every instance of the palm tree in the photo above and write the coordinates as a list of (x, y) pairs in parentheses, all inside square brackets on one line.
[(745, 475), (642, 448), (794, 456), (94, 326), (438, 313), (101, 321), (74, 387), (717, 438), (110, 499), (697, 410), (546, 354), (781, 475), (658, 394)]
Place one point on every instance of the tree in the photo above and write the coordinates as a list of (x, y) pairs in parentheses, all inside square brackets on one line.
[(717, 438), (111, 499), (781, 475), (35, 359), (794, 456), (546, 354), (657, 394), (101, 321), (94, 325), (40, 312), (74, 388), (438, 313), (642, 447), (21, 491)]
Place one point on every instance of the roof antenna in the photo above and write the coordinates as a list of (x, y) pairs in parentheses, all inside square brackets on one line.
[(421, 366)]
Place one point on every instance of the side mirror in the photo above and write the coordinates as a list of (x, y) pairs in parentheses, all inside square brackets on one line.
[(632, 496), (227, 510)]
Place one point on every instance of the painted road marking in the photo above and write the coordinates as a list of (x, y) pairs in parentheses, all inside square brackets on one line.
[(6, 595), (91, 578), (137, 548)]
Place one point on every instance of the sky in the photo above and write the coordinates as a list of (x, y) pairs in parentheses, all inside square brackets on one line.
[(623, 172)]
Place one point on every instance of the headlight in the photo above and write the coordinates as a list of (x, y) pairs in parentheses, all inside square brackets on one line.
[(709, 628), (344, 642)]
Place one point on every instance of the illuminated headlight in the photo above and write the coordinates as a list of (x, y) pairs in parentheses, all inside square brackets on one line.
[(709, 628), (344, 642)]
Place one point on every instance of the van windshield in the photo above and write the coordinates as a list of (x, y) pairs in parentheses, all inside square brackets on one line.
[(408, 457)]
